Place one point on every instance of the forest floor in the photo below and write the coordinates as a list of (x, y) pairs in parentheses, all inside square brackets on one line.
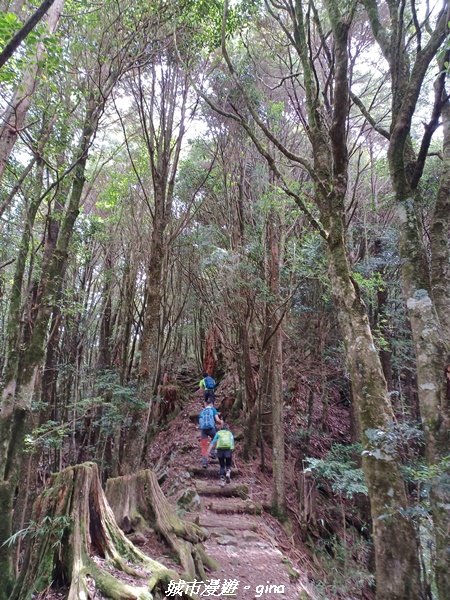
[(255, 552)]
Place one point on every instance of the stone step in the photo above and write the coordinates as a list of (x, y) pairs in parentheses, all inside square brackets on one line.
[(236, 507), (243, 539), (212, 522), (210, 472), (227, 491)]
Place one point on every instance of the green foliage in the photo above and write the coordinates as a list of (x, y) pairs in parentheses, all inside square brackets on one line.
[(52, 59), (308, 256), (422, 473), (386, 444), (343, 567), (203, 18), (274, 199), (443, 51), (114, 194), (52, 528), (340, 470), (107, 384), (419, 477), (50, 434), (306, 261), (369, 285), (9, 25), (104, 412)]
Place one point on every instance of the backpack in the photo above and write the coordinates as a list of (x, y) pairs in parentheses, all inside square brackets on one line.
[(206, 418), (210, 383), (224, 440)]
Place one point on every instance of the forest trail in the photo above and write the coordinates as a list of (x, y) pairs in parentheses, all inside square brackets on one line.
[(249, 545), (251, 563)]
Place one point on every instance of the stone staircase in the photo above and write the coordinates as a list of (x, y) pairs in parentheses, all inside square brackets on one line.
[(242, 541), (248, 544)]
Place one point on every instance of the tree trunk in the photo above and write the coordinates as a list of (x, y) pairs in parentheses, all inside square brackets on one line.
[(429, 317), (245, 360), (440, 281), (14, 118), (433, 368), (396, 557), (278, 452), (150, 340), (14, 313), (75, 524), (19, 387), (163, 147), (139, 505), (426, 293), (272, 416)]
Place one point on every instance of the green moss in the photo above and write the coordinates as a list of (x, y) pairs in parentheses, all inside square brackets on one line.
[(293, 574), (115, 589)]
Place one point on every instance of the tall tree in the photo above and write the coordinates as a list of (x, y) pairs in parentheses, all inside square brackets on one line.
[(271, 393), (425, 279), (103, 68), (13, 120), (160, 95), (326, 103)]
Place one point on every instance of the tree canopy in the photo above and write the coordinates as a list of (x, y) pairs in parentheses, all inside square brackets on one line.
[(258, 190)]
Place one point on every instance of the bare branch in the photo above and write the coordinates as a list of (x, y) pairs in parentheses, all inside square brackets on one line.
[(369, 117)]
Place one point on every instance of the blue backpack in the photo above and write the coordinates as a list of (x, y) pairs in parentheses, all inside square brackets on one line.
[(210, 383), (206, 418)]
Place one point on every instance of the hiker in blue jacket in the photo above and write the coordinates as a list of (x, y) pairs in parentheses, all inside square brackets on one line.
[(208, 385), (223, 442), (208, 421)]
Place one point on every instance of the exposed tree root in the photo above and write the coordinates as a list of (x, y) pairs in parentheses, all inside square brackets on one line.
[(139, 504), (73, 523)]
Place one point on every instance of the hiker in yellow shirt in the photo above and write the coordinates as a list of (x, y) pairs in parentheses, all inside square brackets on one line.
[(223, 442)]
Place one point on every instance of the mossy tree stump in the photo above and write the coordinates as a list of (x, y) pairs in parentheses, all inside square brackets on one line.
[(75, 524), (139, 505)]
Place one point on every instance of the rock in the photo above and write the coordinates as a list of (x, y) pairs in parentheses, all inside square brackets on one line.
[(248, 507), (227, 540), (211, 472), (264, 545), (249, 536), (218, 533), (189, 500)]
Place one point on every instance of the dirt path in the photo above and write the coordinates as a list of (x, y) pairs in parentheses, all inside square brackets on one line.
[(256, 556), (251, 563), (243, 539)]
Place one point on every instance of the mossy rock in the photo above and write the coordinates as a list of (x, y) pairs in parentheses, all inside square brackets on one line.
[(189, 500)]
